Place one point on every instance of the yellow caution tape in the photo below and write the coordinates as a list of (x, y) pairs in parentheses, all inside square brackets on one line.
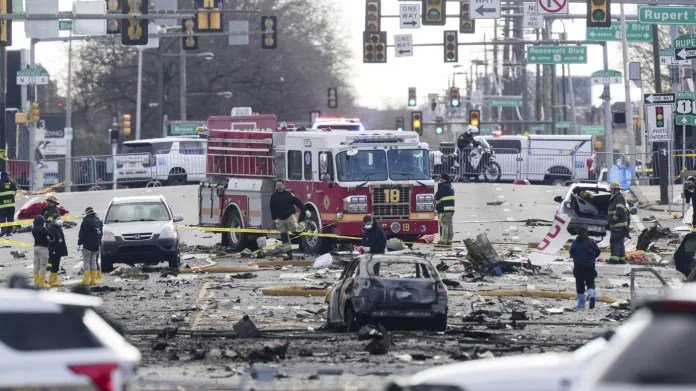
[(31, 222), (15, 243)]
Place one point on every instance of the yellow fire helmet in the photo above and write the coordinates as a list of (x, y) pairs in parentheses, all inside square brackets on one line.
[(615, 185), (52, 198)]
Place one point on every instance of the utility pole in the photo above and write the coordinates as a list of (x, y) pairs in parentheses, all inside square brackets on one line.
[(627, 85), (33, 175), (608, 131), (182, 81), (3, 108), (68, 132), (538, 101)]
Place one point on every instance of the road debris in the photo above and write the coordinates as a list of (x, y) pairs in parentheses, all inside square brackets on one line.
[(246, 328), (380, 342), (269, 353)]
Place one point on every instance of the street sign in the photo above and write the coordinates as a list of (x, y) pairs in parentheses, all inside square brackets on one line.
[(557, 54), (477, 97), (182, 128), (668, 57), (564, 124), (68, 133), (410, 16), (403, 45), (65, 25), (166, 5), (658, 98), (667, 15), (635, 32), (555, 7), (31, 76), (90, 27), (242, 35), (686, 53), (57, 133), (660, 124), (484, 9), (532, 19), (592, 130), (606, 77), (487, 129), (684, 107), (684, 41), (502, 102), (537, 128)]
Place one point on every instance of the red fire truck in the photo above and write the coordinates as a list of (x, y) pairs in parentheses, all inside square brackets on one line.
[(339, 175)]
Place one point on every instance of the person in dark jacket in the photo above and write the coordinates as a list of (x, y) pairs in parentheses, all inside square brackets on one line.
[(57, 248), (584, 252), (42, 239), (374, 240), (689, 193), (283, 204), (89, 240), (444, 204), (8, 191)]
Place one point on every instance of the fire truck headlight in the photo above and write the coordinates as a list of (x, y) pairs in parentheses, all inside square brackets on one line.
[(355, 204), (424, 198), (424, 207)]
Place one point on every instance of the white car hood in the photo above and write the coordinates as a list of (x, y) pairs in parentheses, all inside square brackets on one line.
[(137, 227), (538, 372)]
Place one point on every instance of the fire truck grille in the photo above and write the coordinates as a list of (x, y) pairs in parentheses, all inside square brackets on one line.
[(391, 203)]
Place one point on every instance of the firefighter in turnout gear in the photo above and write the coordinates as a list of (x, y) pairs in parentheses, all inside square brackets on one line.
[(689, 194), (444, 204), (283, 204), (8, 191), (618, 224)]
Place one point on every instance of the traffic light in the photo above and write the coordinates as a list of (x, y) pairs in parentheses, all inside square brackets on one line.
[(451, 42), (438, 125), (35, 112), (190, 41), (474, 118), (374, 47), (5, 25), (416, 125), (113, 26), (598, 13), (333, 97), (434, 12), (113, 136), (269, 27), (659, 117), (411, 96), (433, 104), (400, 124), (313, 115), (466, 24), (454, 97), (209, 17), (125, 125), (373, 14), (134, 30)]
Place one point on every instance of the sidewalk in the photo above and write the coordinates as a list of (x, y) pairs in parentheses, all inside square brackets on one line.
[(650, 195)]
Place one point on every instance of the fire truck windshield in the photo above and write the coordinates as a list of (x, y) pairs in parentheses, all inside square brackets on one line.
[(404, 164), (407, 164)]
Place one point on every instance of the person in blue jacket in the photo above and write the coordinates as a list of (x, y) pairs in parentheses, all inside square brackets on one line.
[(584, 252)]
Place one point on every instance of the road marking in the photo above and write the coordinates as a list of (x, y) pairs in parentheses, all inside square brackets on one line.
[(501, 196), (639, 223), (510, 219), (199, 313), (498, 189), (506, 210)]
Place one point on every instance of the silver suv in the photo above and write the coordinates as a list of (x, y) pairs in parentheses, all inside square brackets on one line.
[(140, 229)]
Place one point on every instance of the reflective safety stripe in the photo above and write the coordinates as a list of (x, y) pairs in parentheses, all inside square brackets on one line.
[(7, 193), (449, 208), (447, 198), (2, 206), (619, 225)]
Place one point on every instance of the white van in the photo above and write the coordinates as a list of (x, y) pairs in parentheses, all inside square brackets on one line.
[(550, 159), (171, 160)]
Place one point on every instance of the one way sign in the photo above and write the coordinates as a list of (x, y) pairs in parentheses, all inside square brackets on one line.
[(658, 98), (403, 45), (686, 54)]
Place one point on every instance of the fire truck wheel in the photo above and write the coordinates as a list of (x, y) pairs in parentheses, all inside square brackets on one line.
[(315, 244), (235, 240)]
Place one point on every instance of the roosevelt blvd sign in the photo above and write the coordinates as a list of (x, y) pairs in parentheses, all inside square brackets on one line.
[(635, 32), (668, 57), (667, 15), (503, 102), (606, 77), (557, 54)]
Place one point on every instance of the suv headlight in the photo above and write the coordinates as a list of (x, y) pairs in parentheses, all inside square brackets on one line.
[(168, 233), (108, 236), (424, 202), (355, 204)]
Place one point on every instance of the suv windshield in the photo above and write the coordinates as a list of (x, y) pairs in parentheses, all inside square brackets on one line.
[(407, 164), (341, 127), (137, 148), (364, 166), (137, 211)]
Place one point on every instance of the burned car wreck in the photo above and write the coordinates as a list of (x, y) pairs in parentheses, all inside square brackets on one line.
[(383, 287), (587, 204)]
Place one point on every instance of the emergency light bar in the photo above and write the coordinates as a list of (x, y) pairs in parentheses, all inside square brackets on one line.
[(377, 140), (337, 119), (241, 111)]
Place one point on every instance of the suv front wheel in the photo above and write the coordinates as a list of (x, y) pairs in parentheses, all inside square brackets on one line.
[(175, 262)]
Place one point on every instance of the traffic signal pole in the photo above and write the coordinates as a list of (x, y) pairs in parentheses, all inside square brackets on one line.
[(33, 176)]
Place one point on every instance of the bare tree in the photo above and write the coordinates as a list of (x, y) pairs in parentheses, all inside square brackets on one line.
[(290, 81), (643, 52)]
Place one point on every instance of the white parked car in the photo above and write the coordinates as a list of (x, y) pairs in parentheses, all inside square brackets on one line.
[(170, 160), (57, 341), (140, 229), (536, 372)]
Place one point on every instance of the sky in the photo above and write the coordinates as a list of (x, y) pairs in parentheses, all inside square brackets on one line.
[(386, 85)]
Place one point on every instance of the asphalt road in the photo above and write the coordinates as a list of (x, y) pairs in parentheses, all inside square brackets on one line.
[(318, 359)]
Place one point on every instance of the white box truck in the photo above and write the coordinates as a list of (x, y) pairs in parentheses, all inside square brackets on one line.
[(549, 159)]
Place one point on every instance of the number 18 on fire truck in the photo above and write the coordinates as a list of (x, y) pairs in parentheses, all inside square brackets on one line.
[(340, 176)]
